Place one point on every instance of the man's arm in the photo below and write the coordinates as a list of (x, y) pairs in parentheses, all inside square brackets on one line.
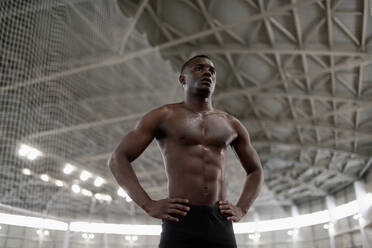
[(129, 148), (132, 146), (251, 163)]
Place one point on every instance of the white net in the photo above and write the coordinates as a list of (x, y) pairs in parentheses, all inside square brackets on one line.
[(75, 76)]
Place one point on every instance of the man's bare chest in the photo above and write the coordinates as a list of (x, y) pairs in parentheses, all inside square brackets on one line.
[(194, 129)]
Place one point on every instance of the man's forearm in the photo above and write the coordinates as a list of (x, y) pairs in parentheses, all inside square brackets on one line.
[(252, 187), (127, 179)]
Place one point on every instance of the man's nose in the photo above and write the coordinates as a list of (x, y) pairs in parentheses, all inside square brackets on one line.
[(207, 74)]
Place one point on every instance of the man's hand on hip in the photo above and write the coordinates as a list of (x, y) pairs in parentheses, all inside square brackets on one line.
[(162, 209), (228, 208)]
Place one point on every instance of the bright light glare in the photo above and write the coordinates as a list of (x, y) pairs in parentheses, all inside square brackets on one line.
[(59, 183), (68, 169), (124, 229), (292, 232), (367, 201), (75, 188), (345, 210), (28, 152), (41, 233), (321, 217), (103, 197), (122, 193), (44, 177), (314, 218), (34, 222), (99, 181), (86, 192), (87, 236), (276, 224), (26, 171), (356, 216), (254, 236), (131, 237), (85, 175)]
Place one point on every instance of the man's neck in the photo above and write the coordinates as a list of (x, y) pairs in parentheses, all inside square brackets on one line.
[(198, 104)]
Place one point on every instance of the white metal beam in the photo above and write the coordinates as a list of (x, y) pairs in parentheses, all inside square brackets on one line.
[(114, 60), (129, 30)]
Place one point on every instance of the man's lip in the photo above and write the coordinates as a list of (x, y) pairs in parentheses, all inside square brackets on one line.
[(207, 80)]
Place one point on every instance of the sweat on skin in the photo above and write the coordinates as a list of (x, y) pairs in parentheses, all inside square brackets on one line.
[(193, 138)]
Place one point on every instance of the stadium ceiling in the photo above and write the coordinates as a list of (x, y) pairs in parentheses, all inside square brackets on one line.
[(298, 74)]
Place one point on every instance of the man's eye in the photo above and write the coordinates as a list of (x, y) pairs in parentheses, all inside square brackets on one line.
[(198, 68)]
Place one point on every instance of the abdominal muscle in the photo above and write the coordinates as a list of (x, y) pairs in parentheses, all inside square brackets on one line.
[(196, 173)]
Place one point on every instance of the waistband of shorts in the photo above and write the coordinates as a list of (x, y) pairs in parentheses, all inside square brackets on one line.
[(203, 208)]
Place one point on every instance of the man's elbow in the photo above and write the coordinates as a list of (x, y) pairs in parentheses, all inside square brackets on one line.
[(257, 172), (113, 162)]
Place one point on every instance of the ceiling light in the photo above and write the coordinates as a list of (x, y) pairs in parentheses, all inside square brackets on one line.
[(26, 171), (131, 237), (39, 232), (75, 188), (128, 199), (103, 197), (86, 192), (32, 222), (46, 233), (68, 169), (59, 183), (328, 226), (99, 181), (122, 193), (44, 177), (28, 152), (292, 232), (85, 175), (87, 236), (356, 216)]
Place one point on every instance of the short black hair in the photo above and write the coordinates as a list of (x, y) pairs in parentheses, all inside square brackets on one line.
[(190, 59)]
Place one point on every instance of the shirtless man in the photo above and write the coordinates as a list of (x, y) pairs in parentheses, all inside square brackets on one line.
[(193, 138)]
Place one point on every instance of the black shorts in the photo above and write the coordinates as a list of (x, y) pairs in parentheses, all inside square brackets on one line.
[(203, 226)]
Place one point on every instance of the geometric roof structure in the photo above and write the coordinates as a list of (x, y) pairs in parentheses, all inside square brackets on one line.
[(76, 76)]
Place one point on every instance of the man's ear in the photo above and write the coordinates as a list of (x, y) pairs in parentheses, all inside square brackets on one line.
[(181, 79)]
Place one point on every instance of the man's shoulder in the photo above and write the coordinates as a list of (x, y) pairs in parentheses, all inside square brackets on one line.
[(228, 116), (163, 111)]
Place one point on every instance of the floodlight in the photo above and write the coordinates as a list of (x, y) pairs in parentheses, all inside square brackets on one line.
[(28, 152), (44, 177), (86, 192), (85, 175), (75, 188), (99, 181), (26, 171), (59, 183), (68, 169)]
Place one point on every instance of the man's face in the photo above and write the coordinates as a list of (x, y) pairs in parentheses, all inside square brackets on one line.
[(199, 77)]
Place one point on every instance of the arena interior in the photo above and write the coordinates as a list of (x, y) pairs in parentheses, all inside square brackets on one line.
[(77, 75)]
